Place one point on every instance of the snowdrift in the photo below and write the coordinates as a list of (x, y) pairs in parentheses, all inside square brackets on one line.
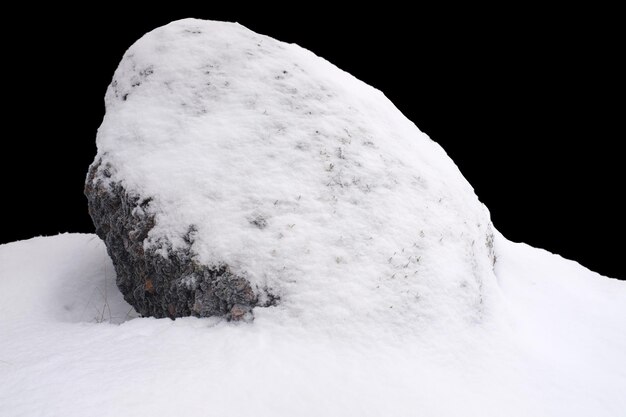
[(560, 351)]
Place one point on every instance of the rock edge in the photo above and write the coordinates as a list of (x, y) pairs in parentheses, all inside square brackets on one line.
[(163, 282)]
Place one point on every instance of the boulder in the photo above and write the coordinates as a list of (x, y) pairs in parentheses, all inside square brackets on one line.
[(235, 171)]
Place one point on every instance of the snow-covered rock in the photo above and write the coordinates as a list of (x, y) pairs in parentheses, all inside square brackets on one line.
[(226, 149), (235, 171)]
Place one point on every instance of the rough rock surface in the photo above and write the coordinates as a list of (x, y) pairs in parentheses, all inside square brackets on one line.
[(234, 171), (170, 284)]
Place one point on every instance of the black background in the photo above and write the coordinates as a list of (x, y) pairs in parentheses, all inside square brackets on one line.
[(526, 102)]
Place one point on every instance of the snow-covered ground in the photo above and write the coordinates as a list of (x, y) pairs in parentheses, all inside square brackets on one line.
[(307, 181), (559, 349)]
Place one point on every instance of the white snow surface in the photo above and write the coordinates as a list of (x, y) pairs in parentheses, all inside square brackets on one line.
[(390, 304), (560, 351), (365, 214)]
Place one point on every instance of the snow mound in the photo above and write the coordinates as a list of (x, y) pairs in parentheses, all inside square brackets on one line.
[(306, 181), (299, 177), (560, 353)]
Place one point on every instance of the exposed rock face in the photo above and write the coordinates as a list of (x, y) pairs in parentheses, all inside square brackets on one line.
[(157, 283), (234, 170)]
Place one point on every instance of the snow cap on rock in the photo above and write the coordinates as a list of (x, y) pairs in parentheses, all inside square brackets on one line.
[(260, 157)]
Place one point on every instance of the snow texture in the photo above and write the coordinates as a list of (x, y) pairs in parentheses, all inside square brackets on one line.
[(295, 175), (560, 351)]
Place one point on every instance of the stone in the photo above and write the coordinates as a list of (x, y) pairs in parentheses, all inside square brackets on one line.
[(235, 172), (173, 285)]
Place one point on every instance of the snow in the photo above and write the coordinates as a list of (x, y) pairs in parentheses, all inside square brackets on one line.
[(312, 183), (559, 353), (298, 176), (71, 282)]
